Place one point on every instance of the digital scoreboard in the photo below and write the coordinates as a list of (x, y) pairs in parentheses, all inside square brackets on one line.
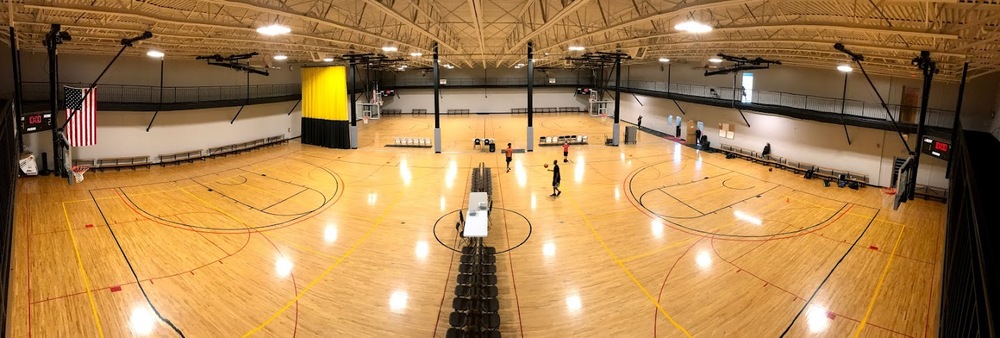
[(936, 148), (36, 122)]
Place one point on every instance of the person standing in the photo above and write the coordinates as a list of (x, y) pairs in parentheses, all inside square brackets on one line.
[(565, 151), (638, 124), (510, 155), (556, 179)]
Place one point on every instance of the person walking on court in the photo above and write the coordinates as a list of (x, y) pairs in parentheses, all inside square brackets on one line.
[(565, 151), (638, 124), (510, 154), (556, 178)]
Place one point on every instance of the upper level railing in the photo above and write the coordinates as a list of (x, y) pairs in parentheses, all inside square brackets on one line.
[(38, 91)]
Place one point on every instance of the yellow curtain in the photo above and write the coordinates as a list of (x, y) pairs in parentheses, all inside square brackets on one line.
[(324, 93)]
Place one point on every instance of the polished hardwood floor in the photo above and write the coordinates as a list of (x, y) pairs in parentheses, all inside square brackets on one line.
[(651, 239)]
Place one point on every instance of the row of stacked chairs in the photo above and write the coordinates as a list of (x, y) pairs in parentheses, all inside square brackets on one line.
[(476, 308), (482, 179)]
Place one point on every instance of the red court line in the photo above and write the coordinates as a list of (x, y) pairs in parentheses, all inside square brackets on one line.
[(295, 286), (451, 263), (930, 293), (769, 283), (660, 294), (510, 260)]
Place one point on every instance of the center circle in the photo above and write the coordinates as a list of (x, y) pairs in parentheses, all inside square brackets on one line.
[(509, 230)]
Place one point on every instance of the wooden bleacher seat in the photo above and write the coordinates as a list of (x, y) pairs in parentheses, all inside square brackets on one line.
[(122, 162), (418, 111), (189, 156)]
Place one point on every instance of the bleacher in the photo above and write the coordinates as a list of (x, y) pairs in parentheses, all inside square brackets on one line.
[(392, 111), (411, 142), (537, 110), (558, 140), (794, 166), (458, 111), (188, 156), (418, 111)]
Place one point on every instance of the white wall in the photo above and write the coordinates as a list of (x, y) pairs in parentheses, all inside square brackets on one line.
[(995, 124), (123, 133), (480, 100), (822, 144)]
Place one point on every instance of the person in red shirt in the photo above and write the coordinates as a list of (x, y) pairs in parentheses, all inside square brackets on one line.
[(510, 155), (565, 151)]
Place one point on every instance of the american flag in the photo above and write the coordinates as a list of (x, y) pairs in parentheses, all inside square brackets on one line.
[(81, 131)]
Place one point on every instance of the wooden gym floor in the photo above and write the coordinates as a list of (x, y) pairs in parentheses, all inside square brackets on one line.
[(652, 239)]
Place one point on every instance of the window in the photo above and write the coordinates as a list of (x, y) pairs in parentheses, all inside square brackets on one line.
[(747, 88)]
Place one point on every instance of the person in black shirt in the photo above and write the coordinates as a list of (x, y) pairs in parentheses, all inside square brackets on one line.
[(556, 178)]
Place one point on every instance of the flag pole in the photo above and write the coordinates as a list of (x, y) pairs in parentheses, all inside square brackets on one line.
[(125, 44)]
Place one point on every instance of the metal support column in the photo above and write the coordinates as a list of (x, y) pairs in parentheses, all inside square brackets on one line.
[(843, 105), (616, 132), (929, 68), (531, 106), (51, 41), (437, 102), (352, 88)]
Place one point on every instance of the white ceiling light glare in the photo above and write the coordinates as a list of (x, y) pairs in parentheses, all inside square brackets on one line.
[(281, 57), (577, 48), (714, 60), (273, 30), (389, 49), (416, 54), (845, 68), (518, 66), (328, 59), (664, 60), (155, 54), (692, 26)]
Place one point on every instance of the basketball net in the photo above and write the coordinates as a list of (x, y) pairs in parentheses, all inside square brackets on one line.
[(78, 171), (365, 118)]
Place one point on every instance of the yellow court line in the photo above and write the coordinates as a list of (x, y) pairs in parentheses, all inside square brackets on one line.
[(329, 269), (885, 272), (83, 273), (848, 214), (660, 249), (622, 265)]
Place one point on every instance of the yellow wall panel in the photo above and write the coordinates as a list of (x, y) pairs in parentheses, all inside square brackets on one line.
[(324, 93)]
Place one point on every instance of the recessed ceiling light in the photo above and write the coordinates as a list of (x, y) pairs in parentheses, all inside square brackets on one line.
[(389, 49), (155, 54), (664, 60), (280, 57), (273, 30), (845, 68), (714, 60), (327, 59), (576, 48), (416, 54), (691, 26)]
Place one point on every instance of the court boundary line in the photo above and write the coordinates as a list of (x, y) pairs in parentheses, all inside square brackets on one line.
[(134, 275), (878, 286), (622, 266), (451, 260), (849, 249), (510, 257), (83, 273)]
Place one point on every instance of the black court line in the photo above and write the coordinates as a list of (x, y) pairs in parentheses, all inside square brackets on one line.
[(682, 202), (797, 315), (134, 275), (727, 186), (285, 199)]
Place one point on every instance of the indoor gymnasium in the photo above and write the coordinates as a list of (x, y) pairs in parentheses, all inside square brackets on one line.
[(380, 168)]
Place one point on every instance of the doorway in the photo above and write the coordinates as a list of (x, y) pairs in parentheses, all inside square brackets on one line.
[(909, 105)]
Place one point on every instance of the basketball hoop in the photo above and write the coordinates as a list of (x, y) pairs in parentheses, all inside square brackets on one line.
[(889, 191), (365, 118), (78, 171)]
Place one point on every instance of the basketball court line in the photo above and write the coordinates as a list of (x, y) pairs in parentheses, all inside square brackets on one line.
[(622, 266), (27, 258), (510, 259), (329, 269), (659, 295), (797, 315), (451, 261), (878, 287), (83, 273)]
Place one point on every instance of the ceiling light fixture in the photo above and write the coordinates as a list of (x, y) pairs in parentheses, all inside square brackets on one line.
[(280, 57), (155, 54), (273, 30), (692, 26), (389, 49), (714, 60), (327, 59), (416, 54), (576, 48), (664, 60), (845, 68)]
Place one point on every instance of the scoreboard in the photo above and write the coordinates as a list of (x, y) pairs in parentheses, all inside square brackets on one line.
[(36, 122), (936, 148)]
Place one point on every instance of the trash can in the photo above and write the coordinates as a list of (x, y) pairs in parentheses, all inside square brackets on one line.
[(493, 147)]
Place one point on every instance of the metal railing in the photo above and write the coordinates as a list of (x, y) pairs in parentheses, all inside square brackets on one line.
[(873, 110), (970, 278), (39, 91), (471, 82)]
